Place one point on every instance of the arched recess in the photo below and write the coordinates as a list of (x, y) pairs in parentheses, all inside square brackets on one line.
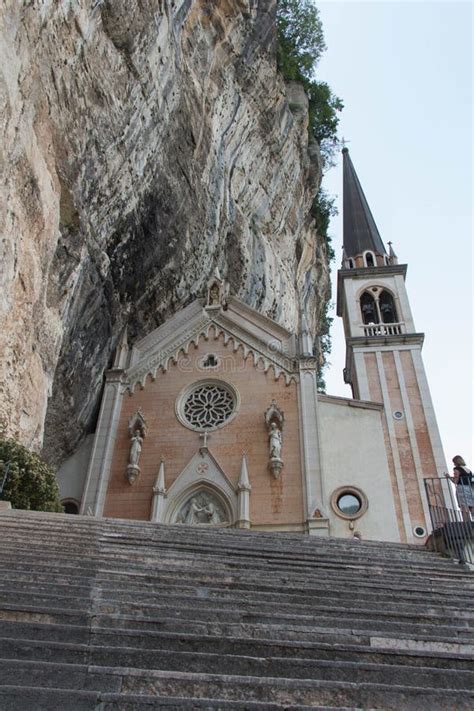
[(368, 308), (71, 506), (203, 473), (387, 308), (369, 259), (201, 504)]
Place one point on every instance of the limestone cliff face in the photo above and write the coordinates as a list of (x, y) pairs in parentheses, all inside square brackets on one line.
[(145, 142)]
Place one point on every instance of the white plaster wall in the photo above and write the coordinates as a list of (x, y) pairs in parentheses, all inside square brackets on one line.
[(71, 476), (353, 454)]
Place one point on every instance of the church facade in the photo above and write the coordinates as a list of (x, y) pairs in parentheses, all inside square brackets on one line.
[(214, 418)]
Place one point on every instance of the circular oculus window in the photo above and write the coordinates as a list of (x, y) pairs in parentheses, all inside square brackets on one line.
[(349, 502), (207, 405)]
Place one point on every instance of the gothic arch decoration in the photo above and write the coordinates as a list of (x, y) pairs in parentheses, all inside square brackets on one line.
[(202, 479), (388, 311), (165, 358), (202, 505), (377, 306), (368, 308)]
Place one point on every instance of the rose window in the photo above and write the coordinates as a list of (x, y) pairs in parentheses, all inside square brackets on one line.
[(208, 406)]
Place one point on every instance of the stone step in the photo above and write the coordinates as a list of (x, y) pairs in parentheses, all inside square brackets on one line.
[(309, 557), (348, 618), (244, 599), (66, 566), (124, 614), (273, 631), (201, 598), (193, 538), (274, 634), (373, 598), (200, 610), (180, 642), (145, 530), (34, 698), (234, 664), (126, 528), (357, 571), (173, 684), (278, 648), (19, 698), (35, 613), (301, 584), (286, 691), (57, 675)]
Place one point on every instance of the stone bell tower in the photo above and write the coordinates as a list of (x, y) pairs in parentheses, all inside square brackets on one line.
[(383, 356)]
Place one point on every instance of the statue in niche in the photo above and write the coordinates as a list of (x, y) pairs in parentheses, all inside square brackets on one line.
[(274, 438), (214, 295), (202, 509), (135, 448), (274, 420), (137, 429)]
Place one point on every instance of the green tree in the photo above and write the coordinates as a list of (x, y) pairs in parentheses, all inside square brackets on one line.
[(30, 483), (300, 46), (300, 38)]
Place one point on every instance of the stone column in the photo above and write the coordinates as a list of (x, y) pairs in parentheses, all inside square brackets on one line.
[(310, 449), (159, 494), (243, 494), (95, 490)]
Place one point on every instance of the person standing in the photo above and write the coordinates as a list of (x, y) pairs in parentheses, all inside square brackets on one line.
[(464, 480)]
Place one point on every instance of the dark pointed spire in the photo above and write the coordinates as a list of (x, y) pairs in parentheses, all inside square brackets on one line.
[(360, 230)]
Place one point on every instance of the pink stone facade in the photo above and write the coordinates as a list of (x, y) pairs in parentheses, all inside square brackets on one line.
[(273, 502)]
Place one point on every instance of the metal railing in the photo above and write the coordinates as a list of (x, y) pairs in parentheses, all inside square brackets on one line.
[(383, 329), (453, 530)]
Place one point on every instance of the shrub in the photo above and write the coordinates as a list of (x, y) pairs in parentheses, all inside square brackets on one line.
[(31, 483)]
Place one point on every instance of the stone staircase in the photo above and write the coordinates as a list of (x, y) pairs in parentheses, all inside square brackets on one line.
[(107, 614)]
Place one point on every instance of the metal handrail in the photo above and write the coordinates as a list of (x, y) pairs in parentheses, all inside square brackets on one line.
[(453, 530)]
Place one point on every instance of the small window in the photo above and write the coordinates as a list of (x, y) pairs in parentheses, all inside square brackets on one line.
[(210, 361), (369, 259), (419, 531), (351, 263), (349, 504)]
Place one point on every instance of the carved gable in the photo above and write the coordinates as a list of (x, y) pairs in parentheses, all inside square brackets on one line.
[(204, 487)]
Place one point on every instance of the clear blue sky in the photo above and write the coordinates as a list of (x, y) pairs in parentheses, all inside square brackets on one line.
[(404, 72)]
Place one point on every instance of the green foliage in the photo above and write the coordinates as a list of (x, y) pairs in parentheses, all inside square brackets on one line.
[(300, 38), (322, 209), (30, 484), (300, 45)]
